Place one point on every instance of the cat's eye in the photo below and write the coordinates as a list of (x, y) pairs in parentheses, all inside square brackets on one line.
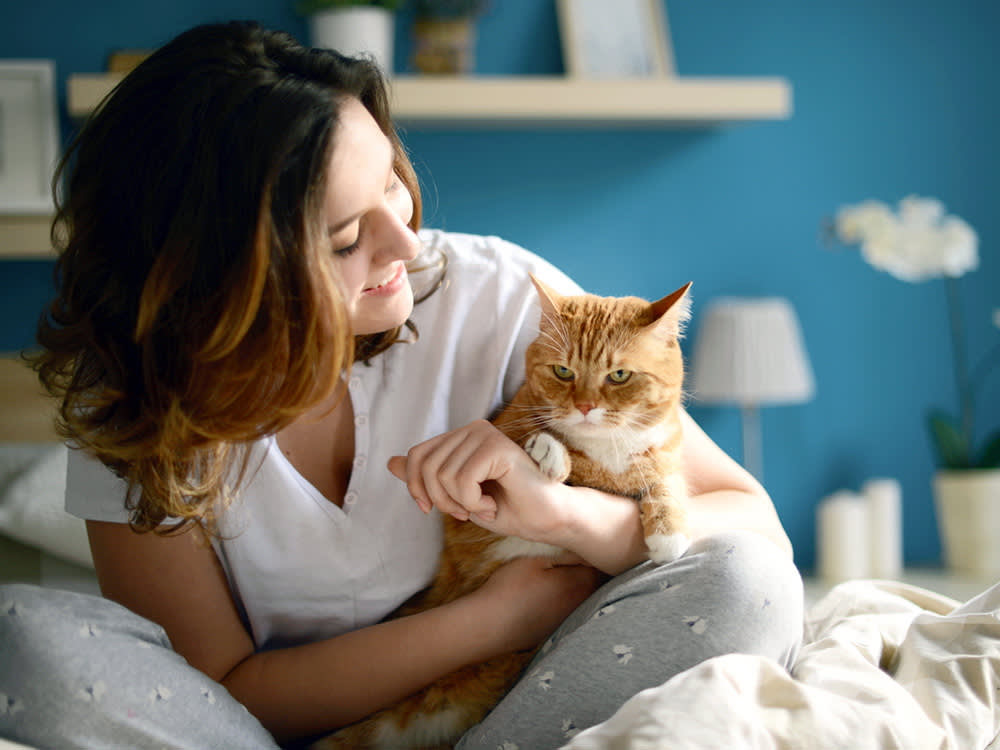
[(619, 376), (563, 373)]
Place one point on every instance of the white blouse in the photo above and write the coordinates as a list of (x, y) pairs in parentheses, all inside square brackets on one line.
[(299, 567)]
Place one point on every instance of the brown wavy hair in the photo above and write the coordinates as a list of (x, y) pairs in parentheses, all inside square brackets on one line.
[(197, 308)]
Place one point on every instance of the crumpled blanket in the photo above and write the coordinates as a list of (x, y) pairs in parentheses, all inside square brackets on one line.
[(883, 665)]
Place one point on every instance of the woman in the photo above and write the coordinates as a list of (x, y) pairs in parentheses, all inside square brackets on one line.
[(235, 343)]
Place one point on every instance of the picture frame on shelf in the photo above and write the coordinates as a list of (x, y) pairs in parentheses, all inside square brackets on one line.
[(29, 136), (624, 39)]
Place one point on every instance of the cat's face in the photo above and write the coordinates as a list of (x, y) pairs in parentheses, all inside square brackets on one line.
[(604, 364)]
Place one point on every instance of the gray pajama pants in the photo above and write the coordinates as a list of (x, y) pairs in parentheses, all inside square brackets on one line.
[(81, 672)]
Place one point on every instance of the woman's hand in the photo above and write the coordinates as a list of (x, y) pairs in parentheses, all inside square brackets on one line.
[(531, 596), (477, 473)]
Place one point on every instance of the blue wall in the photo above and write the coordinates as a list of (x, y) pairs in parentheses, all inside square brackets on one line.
[(892, 97)]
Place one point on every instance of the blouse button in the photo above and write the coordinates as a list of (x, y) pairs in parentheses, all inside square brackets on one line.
[(361, 420), (350, 498), (360, 462)]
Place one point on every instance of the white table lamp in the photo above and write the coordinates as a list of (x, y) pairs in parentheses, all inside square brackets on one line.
[(749, 352)]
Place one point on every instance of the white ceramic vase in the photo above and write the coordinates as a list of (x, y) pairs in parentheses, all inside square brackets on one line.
[(967, 502), (354, 31)]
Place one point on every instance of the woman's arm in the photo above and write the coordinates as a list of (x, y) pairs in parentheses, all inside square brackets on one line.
[(724, 495), (177, 582), (477, 473)]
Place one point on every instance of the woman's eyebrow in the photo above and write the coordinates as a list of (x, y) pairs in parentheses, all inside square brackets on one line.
[(335, 228)]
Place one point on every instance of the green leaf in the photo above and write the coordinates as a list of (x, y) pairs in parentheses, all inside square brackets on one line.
[(991, 453), (951, 445)]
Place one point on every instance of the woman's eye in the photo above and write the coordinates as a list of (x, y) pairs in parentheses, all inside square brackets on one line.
[(563, 373), (619, 376), (346, 251)]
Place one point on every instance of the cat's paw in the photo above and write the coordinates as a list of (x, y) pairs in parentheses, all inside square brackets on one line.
[(664, 548), (550, 455)]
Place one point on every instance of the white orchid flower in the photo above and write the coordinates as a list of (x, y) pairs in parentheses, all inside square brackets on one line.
[(916, 243)]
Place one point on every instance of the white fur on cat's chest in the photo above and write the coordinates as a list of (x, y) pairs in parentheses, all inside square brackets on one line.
[(614, 450)]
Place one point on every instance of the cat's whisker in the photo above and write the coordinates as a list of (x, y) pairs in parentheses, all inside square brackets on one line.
[(556, 341), (553, 329), (529, 424)]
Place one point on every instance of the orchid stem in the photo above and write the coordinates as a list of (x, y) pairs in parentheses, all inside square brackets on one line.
[(986, 364)]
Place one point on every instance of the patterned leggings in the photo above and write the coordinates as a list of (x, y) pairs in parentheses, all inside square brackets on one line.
[(78, 671)]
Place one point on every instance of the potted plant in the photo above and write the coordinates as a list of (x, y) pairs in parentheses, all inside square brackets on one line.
[(919, 242), (354, 27), (444, 36)]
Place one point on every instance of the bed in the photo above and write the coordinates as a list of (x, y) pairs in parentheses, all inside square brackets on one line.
[(39, 542), (884, 664)]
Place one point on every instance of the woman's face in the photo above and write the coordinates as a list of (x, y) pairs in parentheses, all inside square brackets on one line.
[(366, 211)]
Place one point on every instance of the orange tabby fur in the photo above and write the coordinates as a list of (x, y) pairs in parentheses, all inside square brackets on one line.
[(634, 449)]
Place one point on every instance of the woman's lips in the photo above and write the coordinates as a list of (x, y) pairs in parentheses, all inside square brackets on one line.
[(391, 286)]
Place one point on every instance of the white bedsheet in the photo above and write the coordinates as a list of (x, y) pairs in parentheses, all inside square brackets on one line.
[(883, 665)]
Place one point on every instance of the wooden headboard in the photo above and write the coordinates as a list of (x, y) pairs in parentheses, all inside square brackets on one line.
[(26, 413)]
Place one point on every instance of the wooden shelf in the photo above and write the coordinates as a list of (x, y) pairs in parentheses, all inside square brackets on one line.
[(530, 101), (84, 91), (25, 237), (665, 102)]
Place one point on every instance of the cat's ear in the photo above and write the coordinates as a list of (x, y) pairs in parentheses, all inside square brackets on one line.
[(672, 313), (549, 299)]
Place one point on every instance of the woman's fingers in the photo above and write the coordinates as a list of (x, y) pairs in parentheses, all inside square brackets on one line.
[(430, 459), (398, 468), (447, 471), (471, 463)]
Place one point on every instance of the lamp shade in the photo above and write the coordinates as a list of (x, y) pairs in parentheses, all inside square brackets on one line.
[(749, 351)]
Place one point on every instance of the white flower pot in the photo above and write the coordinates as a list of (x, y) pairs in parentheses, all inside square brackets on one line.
[(968, 509), (354, 31)]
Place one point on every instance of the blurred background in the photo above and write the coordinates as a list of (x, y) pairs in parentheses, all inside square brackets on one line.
[(890, 98)]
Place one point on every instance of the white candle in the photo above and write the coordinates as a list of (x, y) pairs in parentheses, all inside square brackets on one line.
[(843, 537), (885, 507)]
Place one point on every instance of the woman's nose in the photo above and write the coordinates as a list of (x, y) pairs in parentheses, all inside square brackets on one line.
[(396, 241), (393, 237)]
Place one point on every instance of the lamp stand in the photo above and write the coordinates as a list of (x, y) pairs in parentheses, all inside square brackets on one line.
[(752, 452)]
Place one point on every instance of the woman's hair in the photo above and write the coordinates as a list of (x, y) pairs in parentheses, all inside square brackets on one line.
[(197, 305)]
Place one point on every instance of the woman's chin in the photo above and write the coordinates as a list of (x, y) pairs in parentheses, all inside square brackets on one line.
[(376, 314)]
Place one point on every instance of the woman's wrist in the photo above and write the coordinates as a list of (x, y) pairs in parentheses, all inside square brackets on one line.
[(603, 529)]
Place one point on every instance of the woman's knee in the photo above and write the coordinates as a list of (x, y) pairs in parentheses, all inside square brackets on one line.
[(82, 667), (749, 560), (736, 590), (33, 616), (48, 634), (759, 585)]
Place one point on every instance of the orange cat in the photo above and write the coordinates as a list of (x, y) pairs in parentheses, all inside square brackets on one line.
[(600, 407)]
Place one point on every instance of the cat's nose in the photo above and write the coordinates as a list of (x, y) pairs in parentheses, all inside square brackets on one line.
[(584, 408)]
